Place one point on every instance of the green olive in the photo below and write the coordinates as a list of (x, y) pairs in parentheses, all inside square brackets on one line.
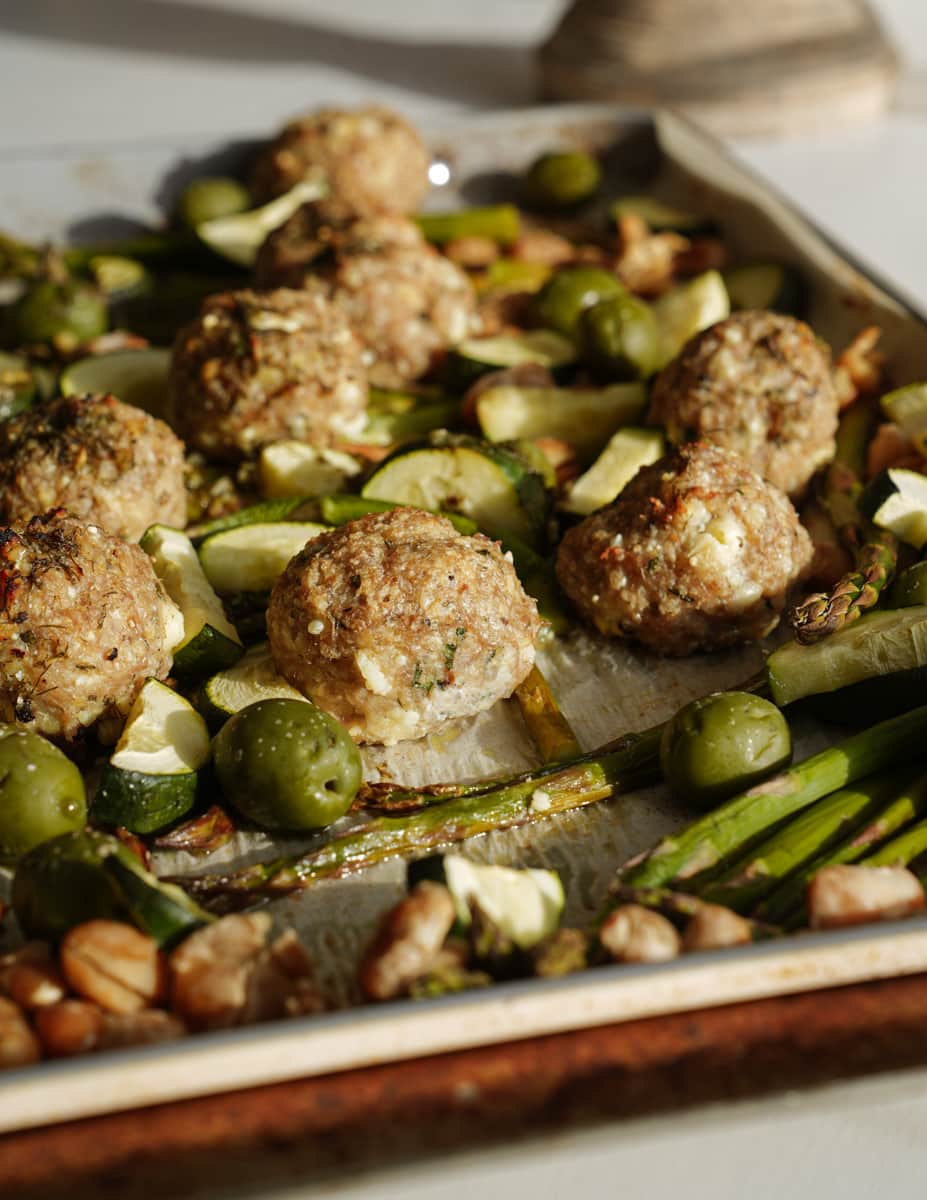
[(65, 313), (61, 883), (561, 179), (620, 337), (287, 765), (723, 744), (41, 792), (910, 588), (566, 294), (206, 199)]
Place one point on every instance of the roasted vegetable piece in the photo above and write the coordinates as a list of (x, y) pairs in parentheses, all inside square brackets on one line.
[(211, 197), (64, 313), (41, 792)]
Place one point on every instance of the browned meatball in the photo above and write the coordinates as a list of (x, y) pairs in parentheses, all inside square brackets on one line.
[(405, 301), (396, 624), (372, 161), (759, 383), (256, 367), (83, 623), (698, 552), (103, 460)]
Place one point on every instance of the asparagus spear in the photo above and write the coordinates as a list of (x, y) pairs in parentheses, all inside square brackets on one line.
[(733, 827), (547, 727), (756, 874), (900, 850), (785, 906), (500, 222), (632, 765)]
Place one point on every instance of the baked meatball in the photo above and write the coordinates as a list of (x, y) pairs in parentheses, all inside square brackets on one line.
[(759, 383), (698, 552), (371, 159), (83, 623), (104, 461), (256, 367), (396, 624), (406, 302)]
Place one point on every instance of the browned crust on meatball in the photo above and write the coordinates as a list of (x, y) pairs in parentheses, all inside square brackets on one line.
[(758, 383), (371, 159), (105, 461), (396, 624), (697, 553), (83, 623), (255, 367)]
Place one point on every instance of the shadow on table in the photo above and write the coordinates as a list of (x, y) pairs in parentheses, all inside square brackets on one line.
[(458, 71)]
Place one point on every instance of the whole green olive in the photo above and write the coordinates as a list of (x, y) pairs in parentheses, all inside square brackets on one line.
[(620, 337), (567, 293), (209, 198), (287, 765), (41, 792), (722, 744), (61, 883), (561, 180), (64, 313)]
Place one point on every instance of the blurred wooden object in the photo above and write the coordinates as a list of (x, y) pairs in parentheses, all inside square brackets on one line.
[(739, 67)]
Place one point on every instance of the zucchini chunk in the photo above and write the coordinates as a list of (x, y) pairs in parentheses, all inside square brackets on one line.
[(629, 450), (879, 644), (661, 217), (764, 286), (478, 356), (151, 778), (688, 309), (238, 237), (252, 557), (293, 469), (137, 377), (454, 473), (585, 418), (210, 641), (254, 677), (896, 499), (907, 407)]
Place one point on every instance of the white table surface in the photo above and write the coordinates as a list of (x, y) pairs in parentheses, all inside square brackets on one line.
[(77, 73)]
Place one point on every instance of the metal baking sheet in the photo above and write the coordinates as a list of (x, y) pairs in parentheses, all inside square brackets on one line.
[(604, 688)]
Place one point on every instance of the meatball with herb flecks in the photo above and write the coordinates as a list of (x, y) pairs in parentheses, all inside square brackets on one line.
[(696, 553), (405, 301), (371, 160), (758, 383), (258, 367), (102, 460), (83, 623), (396, 624)]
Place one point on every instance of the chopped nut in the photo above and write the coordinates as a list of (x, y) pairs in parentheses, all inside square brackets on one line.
[(633, 933), (542, 246), (713, 927), (472, 252), (69, 1027), (31, 954), (408, 942), (890, 446), (646, 262), (141, 1028), (18, 1044), (114, 964), (848, 895), (860, 368), (34, 985)]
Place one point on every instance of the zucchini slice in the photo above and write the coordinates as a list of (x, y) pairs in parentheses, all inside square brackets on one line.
[(454, 473), (292, 469), (524, 904), (239, 237), (688, 309), (136, 377), (629, 450), (764, 286), (879, 644), (252, 557), (907, 407), (661, 217), (478, 356), (151, 778), (254, 677), (210, 641), (896, 499), (586, 418)]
